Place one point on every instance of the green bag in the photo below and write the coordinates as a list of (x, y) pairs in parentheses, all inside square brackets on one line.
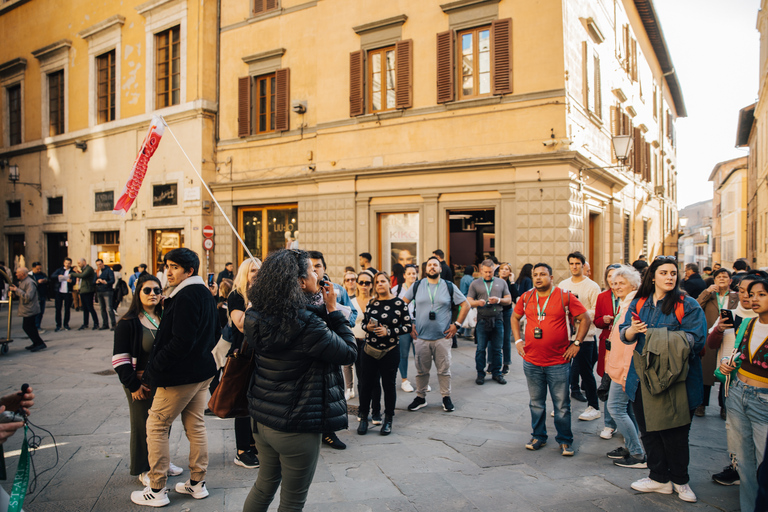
[(725, 379)]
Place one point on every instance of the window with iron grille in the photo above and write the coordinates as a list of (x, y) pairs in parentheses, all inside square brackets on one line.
[(168, 68)]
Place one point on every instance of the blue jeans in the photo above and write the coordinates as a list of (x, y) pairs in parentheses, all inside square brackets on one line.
[(406, 346), (747, 427), (506, 343), (556, 378), (490, 340), (623, 416)]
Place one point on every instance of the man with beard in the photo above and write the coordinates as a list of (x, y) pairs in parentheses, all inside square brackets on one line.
[(433, 331), (547, 352)]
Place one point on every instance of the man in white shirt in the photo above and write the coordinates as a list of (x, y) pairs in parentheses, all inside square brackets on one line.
[(63, 294), (582, 365)]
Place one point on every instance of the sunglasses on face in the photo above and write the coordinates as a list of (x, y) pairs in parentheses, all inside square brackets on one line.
[(365, 283), (147, 290)]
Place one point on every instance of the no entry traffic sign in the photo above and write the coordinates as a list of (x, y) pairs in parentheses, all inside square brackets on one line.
[(208, 231)]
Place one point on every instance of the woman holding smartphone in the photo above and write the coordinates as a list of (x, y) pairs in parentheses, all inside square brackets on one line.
[(664, 305), (747, 400)]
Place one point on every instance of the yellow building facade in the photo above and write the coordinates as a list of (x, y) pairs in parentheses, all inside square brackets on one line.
[(80, 82), (729, 211), (755, 135), (480, 127)]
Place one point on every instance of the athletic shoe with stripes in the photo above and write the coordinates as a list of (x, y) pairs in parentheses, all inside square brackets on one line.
[(150, 498), (198, 491)]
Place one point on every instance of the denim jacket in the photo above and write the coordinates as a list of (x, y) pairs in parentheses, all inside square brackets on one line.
[(695, 326)]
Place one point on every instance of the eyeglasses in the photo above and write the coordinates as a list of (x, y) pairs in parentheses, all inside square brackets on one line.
[(365, 283), (147, 290)]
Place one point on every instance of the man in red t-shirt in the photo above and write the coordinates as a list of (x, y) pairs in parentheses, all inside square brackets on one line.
[(547, 352)]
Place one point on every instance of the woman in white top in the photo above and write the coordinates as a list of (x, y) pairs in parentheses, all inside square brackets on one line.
[(360, 302), (406, 340)]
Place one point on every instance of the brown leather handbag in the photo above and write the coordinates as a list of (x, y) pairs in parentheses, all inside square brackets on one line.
[(230, 398)]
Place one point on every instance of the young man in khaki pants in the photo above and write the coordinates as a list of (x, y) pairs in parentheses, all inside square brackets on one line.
[(179, 370)]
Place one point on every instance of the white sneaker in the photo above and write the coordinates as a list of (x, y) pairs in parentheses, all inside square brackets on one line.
[(197, 491), (590, 414), (349, 393), (174, 470), (685, 493), (429, 388), (406, 386), (552, 414), (648, 485), (144, 479), (150, 498), (607, 433)]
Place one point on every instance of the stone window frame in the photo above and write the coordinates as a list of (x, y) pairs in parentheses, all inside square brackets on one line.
[(161, 15), (103, 37), (53, 58), (11, 74)]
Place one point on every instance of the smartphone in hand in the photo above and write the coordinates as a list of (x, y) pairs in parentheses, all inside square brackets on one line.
[(635, 316), (210, 278), (727, 316)]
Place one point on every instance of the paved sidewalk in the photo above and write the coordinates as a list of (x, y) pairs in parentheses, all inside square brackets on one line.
[(472, 459)]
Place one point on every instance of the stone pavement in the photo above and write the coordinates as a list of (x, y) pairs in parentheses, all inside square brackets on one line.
[(472, 459)]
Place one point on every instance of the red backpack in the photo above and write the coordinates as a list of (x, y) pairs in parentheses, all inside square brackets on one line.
[(679, 308)]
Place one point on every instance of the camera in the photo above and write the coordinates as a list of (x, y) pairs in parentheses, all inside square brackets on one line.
[(10, 417), (432, 315), (322, 282)]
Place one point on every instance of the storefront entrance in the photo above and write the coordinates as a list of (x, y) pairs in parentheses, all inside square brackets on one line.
[(471, 236), (265, 229), (164, 241)]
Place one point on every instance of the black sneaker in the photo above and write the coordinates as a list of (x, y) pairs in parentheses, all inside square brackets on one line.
[(631, 461), (535, 444), (500, 379), (57, 329), (376, 418), (95, 328), (66, 327), (480, 380), (38, 348), (578, 395), (247, 460), (448, 404), (505, 369), (82, 327), (333, 441), (618, 453), (728, 476), (417, 404)]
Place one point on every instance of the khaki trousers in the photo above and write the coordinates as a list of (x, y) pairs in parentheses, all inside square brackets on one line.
[(190, 401), (440, 352)]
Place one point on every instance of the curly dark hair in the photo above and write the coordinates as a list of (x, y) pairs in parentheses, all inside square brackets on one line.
[(276, 292)]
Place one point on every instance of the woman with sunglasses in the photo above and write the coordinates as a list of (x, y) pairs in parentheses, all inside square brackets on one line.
[(747, 401), (360, 302), (134, 337), (350, 283), (386, 318), (664, 305)]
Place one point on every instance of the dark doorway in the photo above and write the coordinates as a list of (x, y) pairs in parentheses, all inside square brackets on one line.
[(471, 236), (57, 250), (16, 251)]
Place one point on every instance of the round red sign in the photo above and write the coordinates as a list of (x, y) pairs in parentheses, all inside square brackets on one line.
[(208, 231)]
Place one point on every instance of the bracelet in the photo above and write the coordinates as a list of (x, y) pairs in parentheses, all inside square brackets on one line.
[(518, 341)]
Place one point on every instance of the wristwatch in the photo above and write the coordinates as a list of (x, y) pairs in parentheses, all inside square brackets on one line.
[(577, 343), (457, 324)]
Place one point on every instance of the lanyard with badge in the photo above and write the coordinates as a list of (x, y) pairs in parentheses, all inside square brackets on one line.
[(541, 314), (615, 305), (488, 290), (720, 303), (432, 314)]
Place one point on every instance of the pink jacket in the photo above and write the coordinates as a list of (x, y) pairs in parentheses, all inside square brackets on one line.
[(620, 355)]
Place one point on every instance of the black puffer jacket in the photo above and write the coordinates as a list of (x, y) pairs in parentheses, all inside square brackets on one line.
[(297, 385)]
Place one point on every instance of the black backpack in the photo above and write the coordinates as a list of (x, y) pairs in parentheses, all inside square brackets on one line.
[(416, 289)]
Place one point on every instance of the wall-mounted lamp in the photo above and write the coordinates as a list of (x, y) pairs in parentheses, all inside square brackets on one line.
[(81, 145), (622, 145), (13, 173)]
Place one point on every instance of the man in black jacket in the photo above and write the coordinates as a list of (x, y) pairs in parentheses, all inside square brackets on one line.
[(63, 297), (180, 369), (105, 280), (693, 283)]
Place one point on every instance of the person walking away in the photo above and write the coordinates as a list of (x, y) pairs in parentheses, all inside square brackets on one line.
[(658, 305), (406, 340), (386, 318), (505, 274), (747, 401), (180, 368), (547, 352), (296, 392), (606, 308), (433, 331), (134, 336), (713, 300), (63, 298), (586, 290), (722, 338), (29, 307), (489, 295), (86, 275), (41, 280), (105, 282), (626, 280), (237, 304)]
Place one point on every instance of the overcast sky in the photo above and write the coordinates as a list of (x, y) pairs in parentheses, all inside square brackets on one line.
[(715, 49)]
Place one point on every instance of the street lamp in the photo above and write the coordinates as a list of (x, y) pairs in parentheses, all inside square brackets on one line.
[(13, 173), (622, 145)]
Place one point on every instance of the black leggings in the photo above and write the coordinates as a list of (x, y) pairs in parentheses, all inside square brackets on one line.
[(374, 404), (382, 370)]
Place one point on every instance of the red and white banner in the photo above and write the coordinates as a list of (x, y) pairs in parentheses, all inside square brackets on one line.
[(148, 148)]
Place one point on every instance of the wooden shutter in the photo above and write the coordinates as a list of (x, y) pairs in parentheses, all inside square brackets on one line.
[(587, 75), (244, 106), (647, 147), (259, 6), (404, 74), (501, 56), (614, 130), (633, 61), (357, 83), (271, 4), (637, 148), (445, 72), (598, 86), (282, 99)]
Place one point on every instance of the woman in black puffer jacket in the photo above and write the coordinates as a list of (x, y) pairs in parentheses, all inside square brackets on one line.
[(297, 389)]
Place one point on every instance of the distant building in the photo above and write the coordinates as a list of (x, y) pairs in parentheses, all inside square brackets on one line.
[(695, 239), (729, 211)]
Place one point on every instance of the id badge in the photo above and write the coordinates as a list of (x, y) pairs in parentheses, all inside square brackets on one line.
[(537, 333), (432, 315)]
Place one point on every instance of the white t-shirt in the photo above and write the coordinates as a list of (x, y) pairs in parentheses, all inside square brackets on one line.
[(586, 291)]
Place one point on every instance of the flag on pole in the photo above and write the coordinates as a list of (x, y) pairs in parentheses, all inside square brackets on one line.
[(148, 148)]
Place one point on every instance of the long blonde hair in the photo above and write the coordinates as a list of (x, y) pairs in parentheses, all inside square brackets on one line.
[(241, 278)]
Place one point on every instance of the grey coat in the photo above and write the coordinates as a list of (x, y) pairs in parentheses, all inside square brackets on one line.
[(26, 291)]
